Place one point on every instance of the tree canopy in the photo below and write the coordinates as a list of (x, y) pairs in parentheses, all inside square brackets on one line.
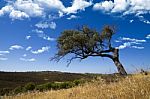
[(85, 42)]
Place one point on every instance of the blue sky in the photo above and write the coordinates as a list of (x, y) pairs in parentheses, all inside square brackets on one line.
[(29, 29)]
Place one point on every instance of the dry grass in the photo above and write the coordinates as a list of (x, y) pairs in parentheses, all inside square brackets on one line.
[(133, 87)]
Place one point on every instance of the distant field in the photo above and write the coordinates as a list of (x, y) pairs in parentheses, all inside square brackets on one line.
[(11, 80)]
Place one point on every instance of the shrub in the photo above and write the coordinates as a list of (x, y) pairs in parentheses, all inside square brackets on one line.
[(18, 90), (44, 87), (66, 85), (55, 86), (76, 82), (29, 86)]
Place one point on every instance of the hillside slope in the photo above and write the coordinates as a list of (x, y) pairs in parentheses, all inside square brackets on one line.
[(132, 87), (10, 80)]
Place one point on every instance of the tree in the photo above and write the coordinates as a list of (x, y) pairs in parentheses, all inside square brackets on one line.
[(85, 42)]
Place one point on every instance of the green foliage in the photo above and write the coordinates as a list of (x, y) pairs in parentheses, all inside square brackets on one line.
[(84, 42), (66, 85), (18, 89), (77, 82), (29, 86), (43, 87)]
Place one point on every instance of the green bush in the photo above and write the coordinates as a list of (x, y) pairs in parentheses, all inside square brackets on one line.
[(18, 90), (66, 85), (77, 82), (44, 87), (39, 87), (55, 86), (29, 86)]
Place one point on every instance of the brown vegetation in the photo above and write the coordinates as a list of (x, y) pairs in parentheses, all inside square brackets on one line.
[(135, 86)]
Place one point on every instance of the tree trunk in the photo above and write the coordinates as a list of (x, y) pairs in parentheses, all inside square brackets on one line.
[(120, 67), (116, 61)]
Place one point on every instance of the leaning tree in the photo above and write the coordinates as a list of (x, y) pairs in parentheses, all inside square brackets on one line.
[(85, 42)]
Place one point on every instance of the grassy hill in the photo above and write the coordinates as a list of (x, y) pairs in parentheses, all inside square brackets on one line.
[(136, 86), (11, 80)]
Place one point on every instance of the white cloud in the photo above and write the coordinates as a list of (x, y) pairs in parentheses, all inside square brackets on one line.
[(6, 9), (61, 14), (24, 55), (52, 25), (42, 25), (72, 17), (3, 59), (4, 52), (45, 25), (29, 7), (148, 36), (42, 50), (28, 48), (18, 15), (132, 40), (137, 47), (20, 9), (125, 45), (50, 4), (106, 6), (146, 21), (28, 60), (28, 37), (77, 5), (1, 54), (13, 47), (42, 35), (131, 21), (125, 7), (38, 31), (130, 43)]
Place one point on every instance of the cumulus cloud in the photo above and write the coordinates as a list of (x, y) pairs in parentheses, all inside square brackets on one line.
[(148, 36), (18, 15), (44, 25), (20, 9), (6, 9), (125, 7), (29, 7), (77, 5), (130, 43), (28, 37), (28, 60), (28, 48), (13, 47), (50, 4), (106, 6), (42, 50), (72, 17), (42, 35)]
